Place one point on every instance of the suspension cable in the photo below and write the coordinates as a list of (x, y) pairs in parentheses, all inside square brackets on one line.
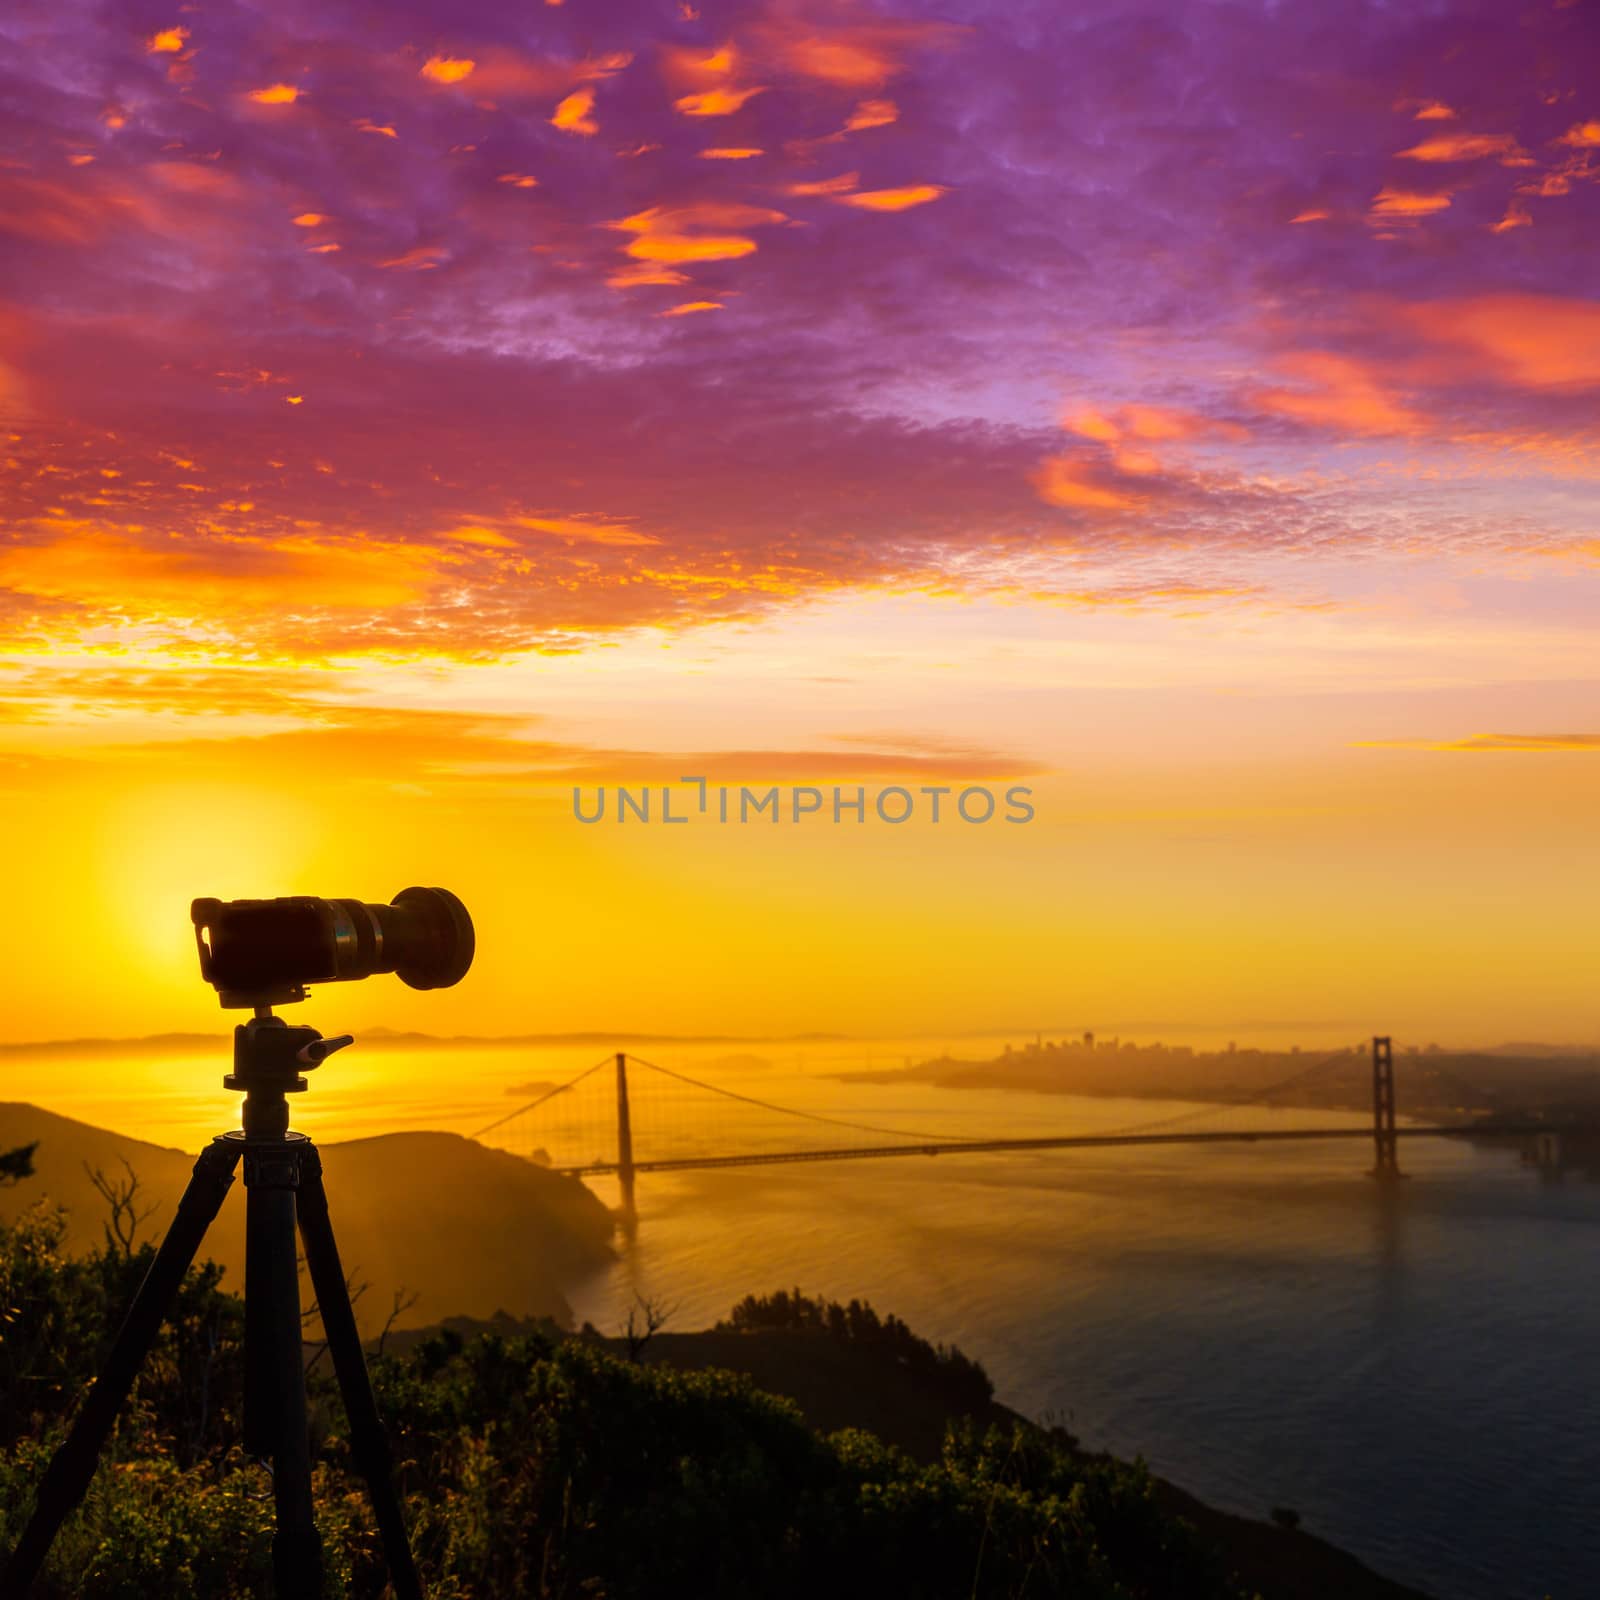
[(549, 1094), (1212, 1109), (790, 1111)]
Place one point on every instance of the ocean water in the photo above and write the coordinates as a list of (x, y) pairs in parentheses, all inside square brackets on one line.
[(1412, 1367)]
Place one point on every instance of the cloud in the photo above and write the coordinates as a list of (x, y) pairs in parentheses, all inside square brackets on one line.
[(105, 573), (694, 233), (1392, 204), (276, 94), (1336, 392), (1463, 147), (842, 184), (1582, 136), (872, 114), (894, 199), (574, 114), (645, 274), (585, 531), (716, 102), (1537, 341), (881, 413), (1081, 485), (447, 69), (422, 258), (846, 54), (1497, 743)]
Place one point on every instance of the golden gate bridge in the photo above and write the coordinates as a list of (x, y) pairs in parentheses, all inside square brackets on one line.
[(610, 1128)]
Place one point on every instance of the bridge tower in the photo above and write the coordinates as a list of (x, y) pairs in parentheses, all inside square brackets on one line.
[(1385, 1142), (624, 1136)]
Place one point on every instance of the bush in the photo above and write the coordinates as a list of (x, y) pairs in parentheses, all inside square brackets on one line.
[(539, 1466), (957, 1377)]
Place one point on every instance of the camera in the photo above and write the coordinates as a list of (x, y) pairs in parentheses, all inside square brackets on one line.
[(265, 952)]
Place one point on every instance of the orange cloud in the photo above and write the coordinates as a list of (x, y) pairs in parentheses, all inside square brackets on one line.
[(671, 236), (1463, 147), (581, 531), (1582, 136), (1548, 186), (518, 180), (276, 94), (168, 42), (690, 307), (1124, 432), (1079, 485), (1435, 111), (504, 74), (716, 102), (190, 584), (1310, 216), (641, 273), (1394, 203), (423, 258), (1165, 422), (872, 114), (849, 56), (310, 219), (1092, 425), (894, 199), (485, 538), (573, 114), (367, 125), (841, 60), (685, 247), (725, 153), (1541, 341), (845, 182), (1338, 393), (685, 66), (1516, 217), (1496, 743), (447, 69)]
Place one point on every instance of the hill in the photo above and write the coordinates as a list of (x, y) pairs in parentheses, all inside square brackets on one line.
[(466, 1228), (850, 1383)]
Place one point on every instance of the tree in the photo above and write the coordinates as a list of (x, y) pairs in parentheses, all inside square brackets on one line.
[(646, 1318), (15, 1165), (121, 1198)]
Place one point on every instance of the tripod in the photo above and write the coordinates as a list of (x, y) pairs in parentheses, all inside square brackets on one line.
[(283, 1186)]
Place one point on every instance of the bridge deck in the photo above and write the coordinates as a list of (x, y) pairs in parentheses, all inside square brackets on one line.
[(1058, 1142)]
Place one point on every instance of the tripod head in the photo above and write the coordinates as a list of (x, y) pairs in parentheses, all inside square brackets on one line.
[(269, 1055)]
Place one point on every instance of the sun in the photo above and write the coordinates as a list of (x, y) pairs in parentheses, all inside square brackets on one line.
[(162, 846)]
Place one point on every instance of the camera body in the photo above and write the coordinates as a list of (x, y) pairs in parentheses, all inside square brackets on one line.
[(264, 952)]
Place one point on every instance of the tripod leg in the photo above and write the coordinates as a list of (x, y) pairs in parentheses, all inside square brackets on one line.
[(368, 1443), (275, 1379), (67, 1477)]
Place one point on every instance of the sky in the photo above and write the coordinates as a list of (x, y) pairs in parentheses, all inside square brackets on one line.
[(1186, 411)]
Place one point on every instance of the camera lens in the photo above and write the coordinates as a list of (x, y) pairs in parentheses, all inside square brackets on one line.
[(266, 951), (427, 938)]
